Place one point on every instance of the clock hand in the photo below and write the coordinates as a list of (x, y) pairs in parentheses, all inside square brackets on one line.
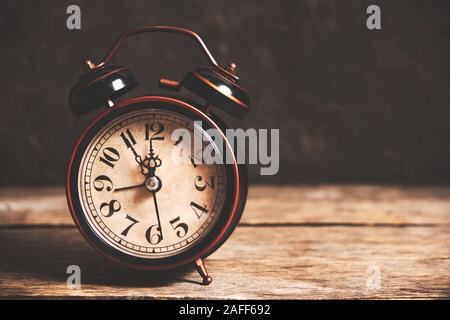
[(157, 214), (153, 182), (129, 145), (150, 163), (143, 164), (150, 153), (130, 187)]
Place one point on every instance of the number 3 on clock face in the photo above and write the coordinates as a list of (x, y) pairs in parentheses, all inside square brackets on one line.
[(139, 197)]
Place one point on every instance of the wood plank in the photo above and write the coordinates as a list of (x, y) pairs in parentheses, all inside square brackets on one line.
[(348, 204), (257, 262), (324, 204), (29, 205)]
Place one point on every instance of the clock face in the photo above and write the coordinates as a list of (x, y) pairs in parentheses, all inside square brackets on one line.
[(138, 192)]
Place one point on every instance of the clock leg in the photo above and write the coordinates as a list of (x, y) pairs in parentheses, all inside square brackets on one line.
[(201, 269)]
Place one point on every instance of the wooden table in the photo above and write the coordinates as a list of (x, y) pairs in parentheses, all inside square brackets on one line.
[(294, 242)]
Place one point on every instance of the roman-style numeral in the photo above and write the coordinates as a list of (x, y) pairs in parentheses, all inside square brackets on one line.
[(157, 128), (197, 158), (180, 138), (107, 209), (133, 222), (110, 155), (201, 184), (128, 138), (102, 182), (198, 209), (180, 228), (193, 162), (153, 234)]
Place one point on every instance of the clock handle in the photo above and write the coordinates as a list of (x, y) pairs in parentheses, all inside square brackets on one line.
[(217, 85), (169, 29)]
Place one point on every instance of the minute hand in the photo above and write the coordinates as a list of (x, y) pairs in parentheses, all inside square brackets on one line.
[(157, 214), (150, 163)]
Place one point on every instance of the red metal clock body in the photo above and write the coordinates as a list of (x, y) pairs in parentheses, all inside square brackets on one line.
[(132, 191)]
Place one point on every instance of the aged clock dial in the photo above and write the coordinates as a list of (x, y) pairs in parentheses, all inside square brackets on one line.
[(139, 195)]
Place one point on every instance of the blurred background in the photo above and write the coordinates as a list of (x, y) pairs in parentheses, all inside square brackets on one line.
[(352, 105)]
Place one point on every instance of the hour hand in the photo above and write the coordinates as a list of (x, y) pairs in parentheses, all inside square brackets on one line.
[(129, 187), (129, 141), (149, 166)]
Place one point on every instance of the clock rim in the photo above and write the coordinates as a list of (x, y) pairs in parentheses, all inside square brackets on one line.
[(219, 236)]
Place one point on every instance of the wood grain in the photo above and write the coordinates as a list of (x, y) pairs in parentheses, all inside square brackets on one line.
[(323, 204), (293, 243), (259, 263)]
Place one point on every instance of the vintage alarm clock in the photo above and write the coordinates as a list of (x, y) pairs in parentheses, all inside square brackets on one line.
[(127, 195)]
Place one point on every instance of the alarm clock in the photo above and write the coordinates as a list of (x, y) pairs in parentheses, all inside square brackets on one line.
[(129, 196)]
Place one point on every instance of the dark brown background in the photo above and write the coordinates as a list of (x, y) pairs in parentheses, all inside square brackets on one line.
[(352, 105)]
